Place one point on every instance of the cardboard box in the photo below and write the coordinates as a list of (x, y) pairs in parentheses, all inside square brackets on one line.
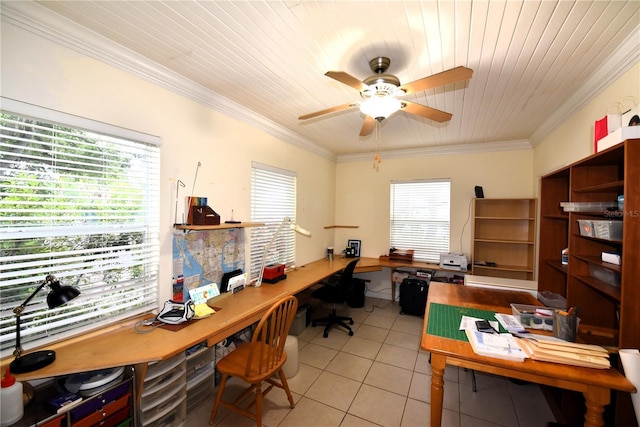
[(617, 136)]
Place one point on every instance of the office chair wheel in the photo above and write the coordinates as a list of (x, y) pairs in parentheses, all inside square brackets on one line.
[(325, 334), (351, 322), (351, 332)]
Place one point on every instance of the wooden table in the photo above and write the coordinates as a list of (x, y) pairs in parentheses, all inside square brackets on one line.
[(594, 384)]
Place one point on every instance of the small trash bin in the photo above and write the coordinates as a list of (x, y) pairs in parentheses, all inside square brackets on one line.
[(291, 366), (356, 299)]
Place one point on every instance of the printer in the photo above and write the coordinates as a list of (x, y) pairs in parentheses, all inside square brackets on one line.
[(451, 261)]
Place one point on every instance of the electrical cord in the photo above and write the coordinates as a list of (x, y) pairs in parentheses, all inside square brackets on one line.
[(152, 324), (465, 224)]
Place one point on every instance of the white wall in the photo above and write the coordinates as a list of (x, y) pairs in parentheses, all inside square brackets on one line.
[(37, 71)]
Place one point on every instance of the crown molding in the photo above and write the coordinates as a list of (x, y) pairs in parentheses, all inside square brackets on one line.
[(35, 18), (481, 147), (626, 55), (41, 21)]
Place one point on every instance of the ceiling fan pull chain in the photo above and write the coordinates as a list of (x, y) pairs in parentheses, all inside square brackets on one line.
[(376, 157)]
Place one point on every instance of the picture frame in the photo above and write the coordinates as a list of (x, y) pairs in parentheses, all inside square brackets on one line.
[(355, 244)]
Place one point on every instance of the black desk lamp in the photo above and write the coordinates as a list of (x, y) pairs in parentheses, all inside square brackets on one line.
[(58, 296)]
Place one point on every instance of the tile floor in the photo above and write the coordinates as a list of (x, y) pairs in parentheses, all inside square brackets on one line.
[(380, 377)]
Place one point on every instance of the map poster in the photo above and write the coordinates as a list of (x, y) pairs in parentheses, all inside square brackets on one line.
[(202, 257)]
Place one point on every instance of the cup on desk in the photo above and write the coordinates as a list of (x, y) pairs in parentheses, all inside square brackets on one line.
[(565, 325), (330, 253)]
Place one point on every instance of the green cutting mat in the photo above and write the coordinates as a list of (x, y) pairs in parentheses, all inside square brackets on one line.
[(444, 320)]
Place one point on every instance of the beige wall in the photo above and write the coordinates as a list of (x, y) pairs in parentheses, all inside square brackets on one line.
[(362, 196), (574, 139), (39, 72)]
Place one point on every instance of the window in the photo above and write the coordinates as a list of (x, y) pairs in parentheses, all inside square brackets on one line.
[(420, 217), (273, 198), (78, 200)]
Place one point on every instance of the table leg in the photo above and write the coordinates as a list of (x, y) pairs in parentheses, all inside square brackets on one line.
[(438, 363), (595, 400), (393, 288)]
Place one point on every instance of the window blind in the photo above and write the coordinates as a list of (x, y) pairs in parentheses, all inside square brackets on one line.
[(81, 205), (273, 198), (420, 214)]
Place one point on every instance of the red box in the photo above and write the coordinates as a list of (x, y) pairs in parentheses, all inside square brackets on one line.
[(273, 273)]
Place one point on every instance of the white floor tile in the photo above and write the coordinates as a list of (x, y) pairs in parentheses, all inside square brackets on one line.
[(380, 377)]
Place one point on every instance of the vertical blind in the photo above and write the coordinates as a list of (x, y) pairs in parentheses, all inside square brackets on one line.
[(273, 198), (81, 205), (420, 213)]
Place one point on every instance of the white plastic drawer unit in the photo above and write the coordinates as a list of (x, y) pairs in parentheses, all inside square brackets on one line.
[(157, 369), (199, 364), (171, 414), (166, 390)]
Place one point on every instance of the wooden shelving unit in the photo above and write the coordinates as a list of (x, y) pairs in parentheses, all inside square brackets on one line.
[(504, 233), (609, 313)]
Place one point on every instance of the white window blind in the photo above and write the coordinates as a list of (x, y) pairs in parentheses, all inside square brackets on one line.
[(420, 212), (273, 198), (79, 204)]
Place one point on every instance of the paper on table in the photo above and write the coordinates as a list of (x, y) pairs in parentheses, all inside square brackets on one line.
[(631, 363), (509, 322), (502, 346)]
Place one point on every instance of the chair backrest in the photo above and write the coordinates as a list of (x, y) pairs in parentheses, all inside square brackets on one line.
[(345, 283), (268, 340)]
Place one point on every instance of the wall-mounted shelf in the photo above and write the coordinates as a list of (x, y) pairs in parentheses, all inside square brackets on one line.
[(218, 227), (341, 226)]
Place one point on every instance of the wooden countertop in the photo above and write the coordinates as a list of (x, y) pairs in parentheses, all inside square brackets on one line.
[(120, 344)]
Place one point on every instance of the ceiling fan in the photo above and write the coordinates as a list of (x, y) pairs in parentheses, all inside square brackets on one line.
[(380, 93)]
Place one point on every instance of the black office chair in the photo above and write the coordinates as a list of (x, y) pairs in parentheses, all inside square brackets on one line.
[(338, 289)]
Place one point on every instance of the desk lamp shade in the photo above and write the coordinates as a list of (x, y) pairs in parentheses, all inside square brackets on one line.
[(59, 295)]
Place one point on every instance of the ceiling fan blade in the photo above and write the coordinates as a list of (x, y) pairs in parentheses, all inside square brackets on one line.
[(426, 112), (450, 76), (327, 111), (346, 78), (367, 126)]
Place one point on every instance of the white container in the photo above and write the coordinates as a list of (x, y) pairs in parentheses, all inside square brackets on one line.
[(586, 227), (292, 365), (11, 400), (587, 206), (607, 230)]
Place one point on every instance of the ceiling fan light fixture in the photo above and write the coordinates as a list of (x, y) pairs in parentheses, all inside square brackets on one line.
[(380, 107)]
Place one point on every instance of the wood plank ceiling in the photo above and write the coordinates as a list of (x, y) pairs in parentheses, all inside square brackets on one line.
[(270, 57)]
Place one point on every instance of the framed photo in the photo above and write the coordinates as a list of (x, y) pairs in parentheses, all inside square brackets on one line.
[(355, 244)]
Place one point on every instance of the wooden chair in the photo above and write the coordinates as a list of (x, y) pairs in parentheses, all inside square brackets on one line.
[(258, 361)]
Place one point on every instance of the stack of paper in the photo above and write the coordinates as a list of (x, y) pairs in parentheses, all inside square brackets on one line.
[(502, 346), (585, 355)]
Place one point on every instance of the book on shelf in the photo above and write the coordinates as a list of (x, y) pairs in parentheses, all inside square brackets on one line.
[(585, 355), (502, 346), (64, 401)]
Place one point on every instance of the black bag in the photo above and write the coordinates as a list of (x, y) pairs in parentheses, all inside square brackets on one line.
[(413, 296)]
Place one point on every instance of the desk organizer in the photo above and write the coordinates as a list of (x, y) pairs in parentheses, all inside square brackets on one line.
[(204, 215), (401, 255), (531, 319)]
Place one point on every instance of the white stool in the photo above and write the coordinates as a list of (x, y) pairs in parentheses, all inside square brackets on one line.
[(291, 366)]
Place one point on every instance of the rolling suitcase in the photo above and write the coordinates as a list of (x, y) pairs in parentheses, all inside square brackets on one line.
[(413, 296)]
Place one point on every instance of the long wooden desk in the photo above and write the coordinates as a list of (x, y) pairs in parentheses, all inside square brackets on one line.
[(121, 345), (594, 384)]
